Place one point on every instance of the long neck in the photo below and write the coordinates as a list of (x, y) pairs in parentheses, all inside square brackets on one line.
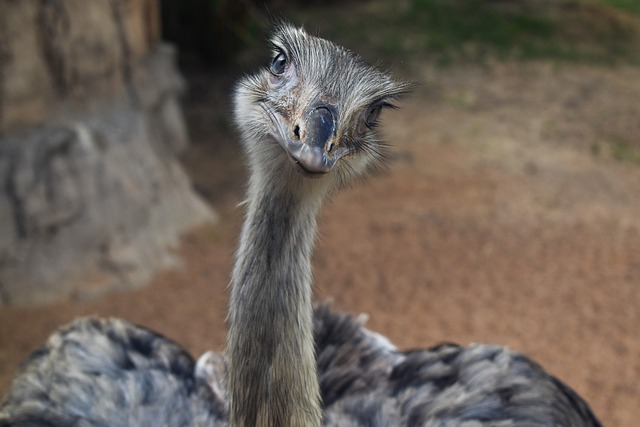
[(272, 367)]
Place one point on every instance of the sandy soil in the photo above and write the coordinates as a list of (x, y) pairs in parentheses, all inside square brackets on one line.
[(504, 218)]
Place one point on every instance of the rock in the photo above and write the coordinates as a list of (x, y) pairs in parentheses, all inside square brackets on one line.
[(93, 196)]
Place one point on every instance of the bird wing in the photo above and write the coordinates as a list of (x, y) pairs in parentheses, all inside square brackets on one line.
[(366, 381), (109, 372)]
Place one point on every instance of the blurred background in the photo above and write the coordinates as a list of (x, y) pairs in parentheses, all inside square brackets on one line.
[(510, 213)]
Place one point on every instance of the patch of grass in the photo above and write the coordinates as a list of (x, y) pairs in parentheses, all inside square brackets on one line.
[(469, 27), (632, 6), (564, 30), (589, 31), (618, 149), (623, 150)]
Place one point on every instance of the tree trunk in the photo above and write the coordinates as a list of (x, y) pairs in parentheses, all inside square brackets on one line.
[(92, 196)]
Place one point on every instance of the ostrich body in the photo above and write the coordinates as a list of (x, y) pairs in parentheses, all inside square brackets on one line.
[(307, 126)]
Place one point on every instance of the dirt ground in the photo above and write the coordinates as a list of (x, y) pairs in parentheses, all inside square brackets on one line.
[(509, 215)]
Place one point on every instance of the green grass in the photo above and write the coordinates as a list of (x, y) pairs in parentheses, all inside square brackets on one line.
[(569, 30), (618, 149), (589, 31), (632, 6), (622, 150), (470, 27)]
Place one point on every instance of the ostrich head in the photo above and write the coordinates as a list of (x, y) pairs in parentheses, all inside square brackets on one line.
[(312, 112)]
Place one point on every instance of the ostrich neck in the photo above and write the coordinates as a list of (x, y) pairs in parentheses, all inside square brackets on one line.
[(272, 366)]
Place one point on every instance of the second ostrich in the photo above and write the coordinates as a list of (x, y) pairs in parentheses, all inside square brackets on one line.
[(308, 129)]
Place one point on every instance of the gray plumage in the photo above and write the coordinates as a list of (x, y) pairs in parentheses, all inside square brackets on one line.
[(366, 381), (308, 129), (109, 372)]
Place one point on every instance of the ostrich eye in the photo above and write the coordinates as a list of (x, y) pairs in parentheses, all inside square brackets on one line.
[(279, 64), (372, 115), (373, 112)]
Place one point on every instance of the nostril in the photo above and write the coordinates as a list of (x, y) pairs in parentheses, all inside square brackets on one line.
[(296, 131), (330, 147)]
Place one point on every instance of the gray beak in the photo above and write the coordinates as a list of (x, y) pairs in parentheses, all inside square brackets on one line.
[(314, 149)]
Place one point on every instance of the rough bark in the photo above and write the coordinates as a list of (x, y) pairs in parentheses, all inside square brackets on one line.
[(92, 196)]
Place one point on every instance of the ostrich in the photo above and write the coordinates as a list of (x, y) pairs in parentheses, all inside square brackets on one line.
[(308, 129)]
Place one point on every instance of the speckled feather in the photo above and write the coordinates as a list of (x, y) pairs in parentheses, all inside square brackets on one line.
[(365, 381), (108, 372)]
